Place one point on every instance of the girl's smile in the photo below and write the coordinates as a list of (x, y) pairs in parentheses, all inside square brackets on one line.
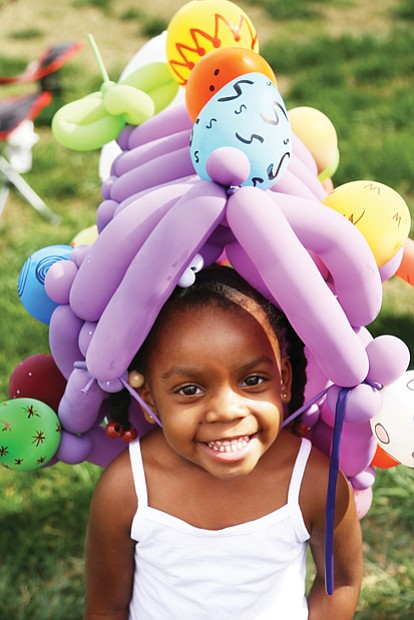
[(215, 378)]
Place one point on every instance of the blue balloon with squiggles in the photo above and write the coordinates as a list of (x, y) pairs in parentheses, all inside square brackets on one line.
[(31, 281), (249, 114)]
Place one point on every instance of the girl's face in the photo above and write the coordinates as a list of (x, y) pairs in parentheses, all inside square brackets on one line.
[(215, 377)]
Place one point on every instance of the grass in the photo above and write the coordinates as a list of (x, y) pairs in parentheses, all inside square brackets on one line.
[(352, 60)]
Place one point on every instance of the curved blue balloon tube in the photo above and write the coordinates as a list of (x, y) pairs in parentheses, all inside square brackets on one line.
[(331, 496)]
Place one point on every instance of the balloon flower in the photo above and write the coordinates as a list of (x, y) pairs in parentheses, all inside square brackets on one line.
[(98, 118)]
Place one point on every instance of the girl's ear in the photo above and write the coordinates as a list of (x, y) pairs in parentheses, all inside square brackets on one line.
[(137, 381), (285, 379)]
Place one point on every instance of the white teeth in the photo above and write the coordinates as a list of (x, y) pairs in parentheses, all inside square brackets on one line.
[(229, 446)]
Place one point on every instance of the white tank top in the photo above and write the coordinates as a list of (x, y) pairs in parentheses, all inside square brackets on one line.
[(252, 571)]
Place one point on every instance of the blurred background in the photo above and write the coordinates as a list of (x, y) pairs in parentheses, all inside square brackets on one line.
[(351, 59)]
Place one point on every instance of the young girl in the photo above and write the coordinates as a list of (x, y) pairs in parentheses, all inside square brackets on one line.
[(209, 517)]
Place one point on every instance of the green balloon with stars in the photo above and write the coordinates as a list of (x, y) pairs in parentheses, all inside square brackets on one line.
[(30, 433)]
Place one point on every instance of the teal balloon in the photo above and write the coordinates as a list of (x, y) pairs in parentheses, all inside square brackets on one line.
[(248, 114), (30, 433), (31, 287)]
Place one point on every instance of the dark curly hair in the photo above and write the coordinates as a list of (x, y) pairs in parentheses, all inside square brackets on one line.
[(223, 286)]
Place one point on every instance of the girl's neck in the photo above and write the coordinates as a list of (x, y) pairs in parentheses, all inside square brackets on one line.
[(186, 491)]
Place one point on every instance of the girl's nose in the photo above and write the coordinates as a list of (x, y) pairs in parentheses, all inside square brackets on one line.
[(226, 406)]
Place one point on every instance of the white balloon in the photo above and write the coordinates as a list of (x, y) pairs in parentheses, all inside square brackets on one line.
[(393, 425)]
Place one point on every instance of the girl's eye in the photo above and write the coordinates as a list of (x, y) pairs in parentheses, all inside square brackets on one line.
[(189, 390), (253, 380)]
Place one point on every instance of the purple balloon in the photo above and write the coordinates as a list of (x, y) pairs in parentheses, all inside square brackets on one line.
[(389, 358), (312, 309), (149, 151), (167, 122), (125, 235), (167, 167), (147, 283), (343, 250), (64, 330), (59, 279), (73, 449), (80, 403)]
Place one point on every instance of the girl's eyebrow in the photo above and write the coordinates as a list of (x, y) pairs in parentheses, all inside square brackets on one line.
[(193, 372)]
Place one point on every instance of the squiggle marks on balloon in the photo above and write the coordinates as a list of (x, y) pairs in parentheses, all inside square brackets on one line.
[(238, 89), (210, 124), (44, 265), (276, 120), (24, 272), (199, 37), (272, 175), (248, 133), (254, 136), (240, 110)]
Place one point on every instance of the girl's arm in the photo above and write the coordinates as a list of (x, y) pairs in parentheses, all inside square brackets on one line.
[(109, 547), (348, 563)]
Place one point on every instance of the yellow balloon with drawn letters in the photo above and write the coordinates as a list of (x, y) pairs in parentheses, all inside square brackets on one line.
[(378, 211), (201, 26)]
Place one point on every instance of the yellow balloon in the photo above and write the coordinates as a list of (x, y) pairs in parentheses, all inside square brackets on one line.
[(85, 237), (202, 26), (378, 211), (318, 134)]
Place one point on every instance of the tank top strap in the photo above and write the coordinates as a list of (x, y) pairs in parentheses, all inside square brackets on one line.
[(295, 485), (138, 474), (140, 485)]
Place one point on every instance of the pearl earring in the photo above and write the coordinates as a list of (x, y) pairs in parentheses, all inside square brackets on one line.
[(136, 379)]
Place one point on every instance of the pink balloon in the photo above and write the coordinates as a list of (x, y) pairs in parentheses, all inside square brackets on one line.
[(105, 213), (104, 269), (358, 447), (311, 308), (59, 280), (363, 403), (80, 403), (300, 151), (103, 448), (228, 166), (246, 267), (292, 185), (148, 283), (363, 480), (391, 267), (73, 449), (168, 121), (168, 167), (343, 250), (64, 331), (389, 358), (363, 501), (149, 151)]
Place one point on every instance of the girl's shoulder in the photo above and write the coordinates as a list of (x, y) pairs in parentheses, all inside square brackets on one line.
[(114, 492), (314, 490)]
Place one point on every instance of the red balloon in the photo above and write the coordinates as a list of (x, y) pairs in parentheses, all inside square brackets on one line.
[(383, 460), (38, 377)]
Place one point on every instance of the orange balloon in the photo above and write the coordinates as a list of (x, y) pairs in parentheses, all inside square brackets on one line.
[(218, 68), (383, 460), (406, 269)]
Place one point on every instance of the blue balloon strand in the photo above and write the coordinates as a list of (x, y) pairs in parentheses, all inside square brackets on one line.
[(331, 496)]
